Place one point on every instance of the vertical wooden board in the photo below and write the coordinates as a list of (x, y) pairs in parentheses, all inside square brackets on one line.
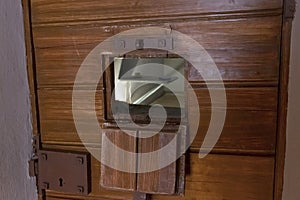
[(289, 14), (113, 178), (161, 181)]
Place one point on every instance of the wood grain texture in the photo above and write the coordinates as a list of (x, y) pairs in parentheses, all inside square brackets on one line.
[(249, 43), (91, 10), (282, 105), (56, 117), (250, 125), (161, 181), (212, 178), (112, 178), (249, 132), (228, 177), (243, 49)]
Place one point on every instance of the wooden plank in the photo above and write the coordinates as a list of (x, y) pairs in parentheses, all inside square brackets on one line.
[(243, 49), (250, 125), (289, 13), (161, 181), (112, 178), (213, 178), (246, 98), (244, 132), (56, 117), (91, 10)]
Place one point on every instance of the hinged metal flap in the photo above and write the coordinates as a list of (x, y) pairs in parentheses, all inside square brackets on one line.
[(33, 162), (33, 166), (64, 172)]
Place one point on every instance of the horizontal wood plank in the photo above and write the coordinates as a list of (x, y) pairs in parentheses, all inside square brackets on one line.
[(243, 49), (250, 124), (243, 132), (76, 10), (56, 117)]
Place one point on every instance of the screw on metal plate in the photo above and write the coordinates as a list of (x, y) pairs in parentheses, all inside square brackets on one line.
[(131, 42), (122, 44), (139, 44), (80, 160), (162, 43), (80, 189), (45, 186), (44, 156), (63, 171)]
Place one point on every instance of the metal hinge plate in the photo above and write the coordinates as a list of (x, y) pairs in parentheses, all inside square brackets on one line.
[(67, 172), (138, 43), (62, 171)]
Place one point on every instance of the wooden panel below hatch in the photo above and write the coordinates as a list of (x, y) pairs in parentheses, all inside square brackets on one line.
[(161, 181), (215, 177), (243, 49), (112, 178)]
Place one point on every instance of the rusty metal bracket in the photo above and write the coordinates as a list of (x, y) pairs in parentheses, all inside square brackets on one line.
[(138, 43), (64, 172), (33, 167)]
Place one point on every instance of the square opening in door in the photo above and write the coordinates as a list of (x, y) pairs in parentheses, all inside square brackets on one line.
[(140, 83)]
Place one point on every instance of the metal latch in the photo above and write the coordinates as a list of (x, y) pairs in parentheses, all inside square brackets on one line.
[(62, 171)]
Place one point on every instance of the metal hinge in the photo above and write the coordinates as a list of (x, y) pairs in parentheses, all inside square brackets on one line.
[(62, 171), (33, 163)]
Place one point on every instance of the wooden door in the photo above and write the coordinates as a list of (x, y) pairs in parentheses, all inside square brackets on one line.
[(249, 42)]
